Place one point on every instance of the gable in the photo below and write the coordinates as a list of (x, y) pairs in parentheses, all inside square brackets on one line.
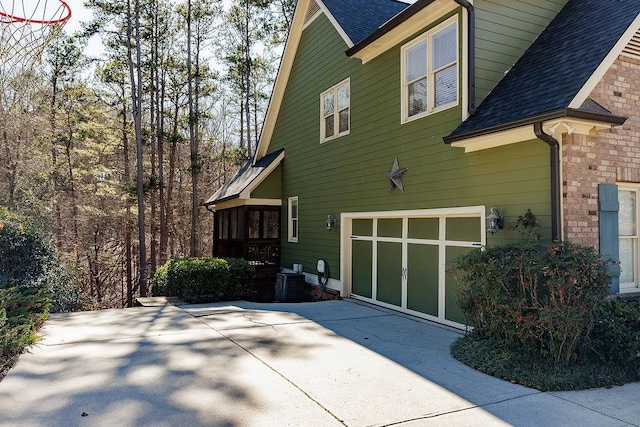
[(350, 19), (249, 178)]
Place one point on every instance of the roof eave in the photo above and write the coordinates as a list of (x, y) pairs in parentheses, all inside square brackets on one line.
[(572, 113), (211, 202), (245, 192)]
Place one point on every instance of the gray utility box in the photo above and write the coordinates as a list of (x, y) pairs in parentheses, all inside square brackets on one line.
[(289, 287)]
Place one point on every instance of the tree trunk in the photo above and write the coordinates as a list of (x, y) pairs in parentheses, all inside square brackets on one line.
[(193, 139), (247, 102), (136, 97)]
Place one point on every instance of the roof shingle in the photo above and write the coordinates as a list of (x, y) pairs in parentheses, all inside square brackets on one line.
[(243, 178), (359, 18), (556, 66)]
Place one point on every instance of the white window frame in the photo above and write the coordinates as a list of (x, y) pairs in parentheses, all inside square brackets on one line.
[(428, 38), (293, 222), (635, 239), (336, 113)]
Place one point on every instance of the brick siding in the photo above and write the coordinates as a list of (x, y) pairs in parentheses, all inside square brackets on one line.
[(610, 157)]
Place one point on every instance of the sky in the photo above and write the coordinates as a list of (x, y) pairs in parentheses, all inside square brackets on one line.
[(78, 14)]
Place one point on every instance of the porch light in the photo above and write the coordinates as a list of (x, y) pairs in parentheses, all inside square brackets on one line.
[(330, 222), (495, 221)]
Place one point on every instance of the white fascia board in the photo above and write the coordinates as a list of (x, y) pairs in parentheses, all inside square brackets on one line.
[(553, 127), (604, 66), (284, 71), (496, 139), (246, 193), (411, 26), (233, 203)]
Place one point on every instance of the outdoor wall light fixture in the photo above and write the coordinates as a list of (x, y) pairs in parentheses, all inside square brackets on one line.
[(330, 222), (495, 221)]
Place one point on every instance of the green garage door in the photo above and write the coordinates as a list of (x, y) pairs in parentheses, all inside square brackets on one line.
[(401, 262)]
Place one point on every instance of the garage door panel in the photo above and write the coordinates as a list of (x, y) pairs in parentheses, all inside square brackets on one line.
[(424, 228), (451, 309), (389, 281), (390, 227), (422, 279), (362, 227), (463, 229), (362, 268)]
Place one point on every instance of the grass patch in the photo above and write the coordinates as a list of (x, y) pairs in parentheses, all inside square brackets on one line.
[(530, 370)]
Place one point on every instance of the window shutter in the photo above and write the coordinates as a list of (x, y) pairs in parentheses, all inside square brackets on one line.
[(609, 235)]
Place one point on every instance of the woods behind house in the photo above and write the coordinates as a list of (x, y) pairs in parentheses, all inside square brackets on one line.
[(114, 154)]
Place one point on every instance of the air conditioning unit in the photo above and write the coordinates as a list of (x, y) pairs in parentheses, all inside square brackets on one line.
[(290, 287)]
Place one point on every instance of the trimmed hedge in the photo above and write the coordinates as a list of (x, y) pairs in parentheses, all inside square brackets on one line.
[(542, 298), (197, 280)]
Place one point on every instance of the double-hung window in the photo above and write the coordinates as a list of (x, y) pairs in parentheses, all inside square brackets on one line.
[(628, 217), (335, 111), (293, 219), (430, 71)]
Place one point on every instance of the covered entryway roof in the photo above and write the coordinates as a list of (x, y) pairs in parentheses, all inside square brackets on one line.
[(245, 187)]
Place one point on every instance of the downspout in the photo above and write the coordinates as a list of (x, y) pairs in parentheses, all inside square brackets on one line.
[(471, 59), (556, 188)]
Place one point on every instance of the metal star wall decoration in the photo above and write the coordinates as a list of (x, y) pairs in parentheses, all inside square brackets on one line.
[(395, 176)]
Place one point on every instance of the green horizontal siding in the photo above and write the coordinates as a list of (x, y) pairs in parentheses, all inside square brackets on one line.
[(271, 187), (504, 30), (348, 174)]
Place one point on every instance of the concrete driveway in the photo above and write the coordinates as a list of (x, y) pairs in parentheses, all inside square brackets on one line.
[(244, 364)]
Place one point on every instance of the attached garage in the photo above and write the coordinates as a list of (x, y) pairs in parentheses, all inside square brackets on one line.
[(399, 259)]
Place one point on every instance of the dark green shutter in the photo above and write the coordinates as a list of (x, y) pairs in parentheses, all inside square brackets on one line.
[(609, 237)]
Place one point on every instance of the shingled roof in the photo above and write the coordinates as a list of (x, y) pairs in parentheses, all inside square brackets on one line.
[(360, 18), (555, 67), (243, 178)]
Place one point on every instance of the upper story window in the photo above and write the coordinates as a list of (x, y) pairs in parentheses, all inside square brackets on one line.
[(335, 111), (430, 71)]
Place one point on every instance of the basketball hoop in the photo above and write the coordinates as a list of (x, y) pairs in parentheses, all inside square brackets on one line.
[(27, 26)]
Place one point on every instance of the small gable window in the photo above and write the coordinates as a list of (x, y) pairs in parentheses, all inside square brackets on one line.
[(293, 219), (430, 71), (335, 111)]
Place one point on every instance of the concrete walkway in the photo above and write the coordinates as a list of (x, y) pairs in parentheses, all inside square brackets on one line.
[(245, 364)]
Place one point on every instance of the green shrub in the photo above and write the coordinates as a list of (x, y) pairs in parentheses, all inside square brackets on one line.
[(159, 280), (533, 296), (241, 277), (27, 255), (204, 279), (22, 313), (28, 258), (615, 338)]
